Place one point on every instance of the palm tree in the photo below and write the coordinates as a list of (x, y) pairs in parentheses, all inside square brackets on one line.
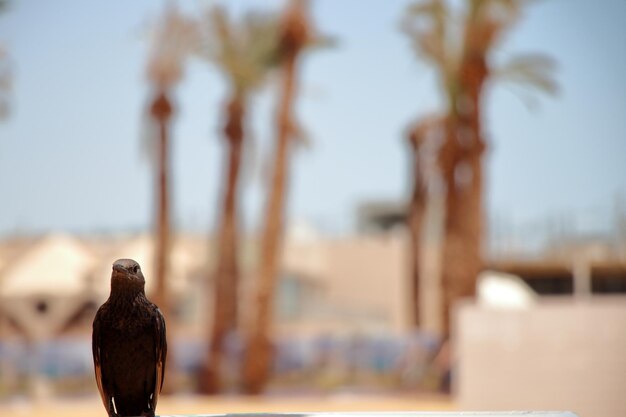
[(421, 139), (5, 73), (5, 83), (461, 57), (173, 37), (294, 36), (5, 89), (245, 53)]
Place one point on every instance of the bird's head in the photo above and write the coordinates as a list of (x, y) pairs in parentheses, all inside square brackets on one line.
[(127, 274)]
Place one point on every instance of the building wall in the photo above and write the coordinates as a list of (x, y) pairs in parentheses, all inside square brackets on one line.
[(361, 284), (559, 355), (371, 274)]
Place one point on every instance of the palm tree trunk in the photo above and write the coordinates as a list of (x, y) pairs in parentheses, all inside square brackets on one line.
[(415, 219), (162, 110), (462, 249), (225, 292), (461, 161), (259, 354)]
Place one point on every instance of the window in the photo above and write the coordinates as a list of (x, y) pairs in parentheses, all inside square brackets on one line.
[(295, 296)]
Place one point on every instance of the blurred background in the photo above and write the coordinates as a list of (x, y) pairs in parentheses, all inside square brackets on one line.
[(355, 205)]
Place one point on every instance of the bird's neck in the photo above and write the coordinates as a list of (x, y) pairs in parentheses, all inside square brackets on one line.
[(124, 291)]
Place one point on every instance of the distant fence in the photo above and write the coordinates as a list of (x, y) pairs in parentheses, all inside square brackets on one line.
[(367, 362)]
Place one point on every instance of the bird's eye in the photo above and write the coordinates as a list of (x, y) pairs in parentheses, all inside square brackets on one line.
[(135, 269)]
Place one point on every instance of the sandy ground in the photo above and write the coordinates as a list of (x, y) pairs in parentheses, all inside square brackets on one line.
[(236, 404)]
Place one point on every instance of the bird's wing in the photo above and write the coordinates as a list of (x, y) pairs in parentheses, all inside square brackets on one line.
[(95, 348), (161, 354)]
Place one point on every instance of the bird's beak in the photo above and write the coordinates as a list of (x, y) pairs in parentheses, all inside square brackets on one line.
[(118, 268)]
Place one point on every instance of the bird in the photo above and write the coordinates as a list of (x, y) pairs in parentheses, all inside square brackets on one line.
[(129, 345)]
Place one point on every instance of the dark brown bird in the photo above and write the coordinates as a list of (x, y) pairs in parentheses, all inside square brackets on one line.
[(129, 345)]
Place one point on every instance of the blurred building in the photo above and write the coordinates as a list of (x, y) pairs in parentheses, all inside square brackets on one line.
[(52, 285), (564, 262), (46, 285), (346, 296)]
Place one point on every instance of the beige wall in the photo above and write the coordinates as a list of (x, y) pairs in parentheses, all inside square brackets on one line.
[(371, 274), (364, 282), (561, 354)]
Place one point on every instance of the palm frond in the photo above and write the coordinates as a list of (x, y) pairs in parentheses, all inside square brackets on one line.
[(173, 39), (487, 21), (224, 50), (260, 46), (245, 51), (426, 24), (535, 71), (430, 25), (322, 42)]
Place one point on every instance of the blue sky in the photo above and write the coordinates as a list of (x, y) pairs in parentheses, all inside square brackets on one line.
[(71, 154)]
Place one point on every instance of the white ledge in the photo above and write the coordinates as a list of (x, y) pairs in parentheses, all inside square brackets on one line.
[(395, 414)]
